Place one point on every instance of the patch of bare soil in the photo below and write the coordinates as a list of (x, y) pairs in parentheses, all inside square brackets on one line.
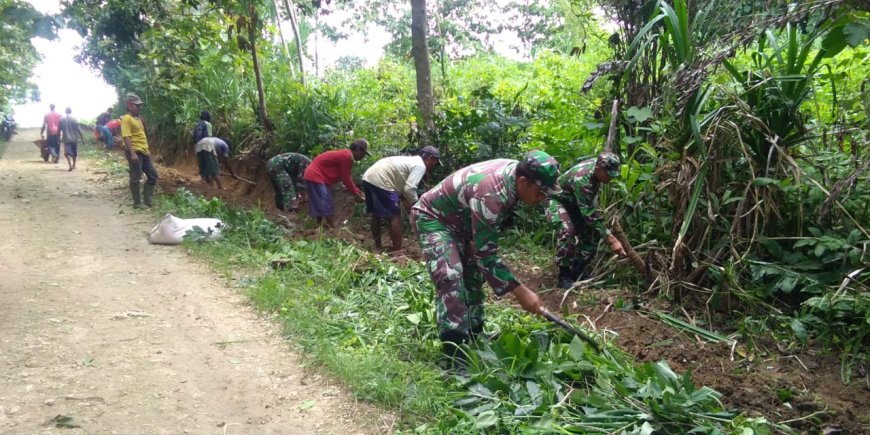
[(802, 387), (104, 333)]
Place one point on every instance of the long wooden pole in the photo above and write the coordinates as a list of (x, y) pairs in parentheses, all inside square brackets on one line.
[(283, 41), (295, 23), (616, 228), (613, 130)]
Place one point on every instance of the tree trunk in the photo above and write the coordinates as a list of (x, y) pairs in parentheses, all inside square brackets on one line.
[(283, 41), (442, 45), (420, 52), (261, 93), (612, 144), (295, 24), (316, 47)]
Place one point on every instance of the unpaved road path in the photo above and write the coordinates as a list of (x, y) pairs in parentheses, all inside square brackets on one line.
[(119, 336)]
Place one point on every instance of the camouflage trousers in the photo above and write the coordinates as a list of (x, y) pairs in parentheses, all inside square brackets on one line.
[(458, 280), (286, 181), (576, 245)]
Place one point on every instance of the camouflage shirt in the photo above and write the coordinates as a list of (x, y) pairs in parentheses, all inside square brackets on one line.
[(471, 204), (579, 189), (293, 163)]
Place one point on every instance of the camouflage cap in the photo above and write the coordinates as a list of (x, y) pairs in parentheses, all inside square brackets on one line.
[(610, 163), (544, 171)]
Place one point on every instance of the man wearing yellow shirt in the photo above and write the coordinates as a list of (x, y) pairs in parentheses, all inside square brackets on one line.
[(136, 151)]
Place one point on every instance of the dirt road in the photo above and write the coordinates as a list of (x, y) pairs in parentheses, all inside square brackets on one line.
[(104, 333)]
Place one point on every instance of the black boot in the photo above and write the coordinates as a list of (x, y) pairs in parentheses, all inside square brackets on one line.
[(136, 194), (455, 356), (566, 277), (578, 270), (147, 194), (476, 333)]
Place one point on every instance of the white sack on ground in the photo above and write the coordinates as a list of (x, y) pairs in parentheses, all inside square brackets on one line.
[(171, 230)]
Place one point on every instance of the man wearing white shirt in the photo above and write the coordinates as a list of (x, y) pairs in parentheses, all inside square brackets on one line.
[(390, 180)]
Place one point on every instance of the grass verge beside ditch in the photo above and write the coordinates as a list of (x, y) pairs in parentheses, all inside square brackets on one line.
[(371, 323)]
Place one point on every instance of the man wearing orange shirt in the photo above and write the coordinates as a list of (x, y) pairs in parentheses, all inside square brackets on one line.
[(327, 169)]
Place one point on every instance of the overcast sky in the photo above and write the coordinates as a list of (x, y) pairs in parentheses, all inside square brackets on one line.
[(61, 80)]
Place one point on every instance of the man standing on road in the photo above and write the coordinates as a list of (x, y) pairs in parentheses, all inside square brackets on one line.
[(51, 123), (70, 135), (390, 180), (286, 172), (577, 216), (324, 171), (136, 151), (459, 221)]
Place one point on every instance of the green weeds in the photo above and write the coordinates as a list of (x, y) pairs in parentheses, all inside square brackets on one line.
[(845, 320), (113, 164), (372, 323)]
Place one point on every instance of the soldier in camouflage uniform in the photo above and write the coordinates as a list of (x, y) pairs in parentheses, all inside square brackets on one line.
[(458, 222), (286, 171), (575, 213)]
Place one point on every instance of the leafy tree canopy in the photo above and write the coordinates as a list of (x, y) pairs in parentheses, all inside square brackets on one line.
[(19, 22), (460, 28)]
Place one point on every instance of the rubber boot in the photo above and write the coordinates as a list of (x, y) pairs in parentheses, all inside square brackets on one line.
[(137, 198), (147, 194), (578, 271), (455, 356), (476, 334), (566, 277), (456, 363)]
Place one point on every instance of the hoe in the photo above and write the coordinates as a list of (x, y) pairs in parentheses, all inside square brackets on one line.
[(567, 326)]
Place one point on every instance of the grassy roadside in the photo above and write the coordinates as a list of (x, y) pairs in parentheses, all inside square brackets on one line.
[(3, 145), (371, 323), (113, 164)]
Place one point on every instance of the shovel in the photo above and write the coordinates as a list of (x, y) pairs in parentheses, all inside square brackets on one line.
[(244, 180), (566, 326)]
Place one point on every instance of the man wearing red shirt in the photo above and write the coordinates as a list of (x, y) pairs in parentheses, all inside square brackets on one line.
[(51, 122), (327, 169)]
